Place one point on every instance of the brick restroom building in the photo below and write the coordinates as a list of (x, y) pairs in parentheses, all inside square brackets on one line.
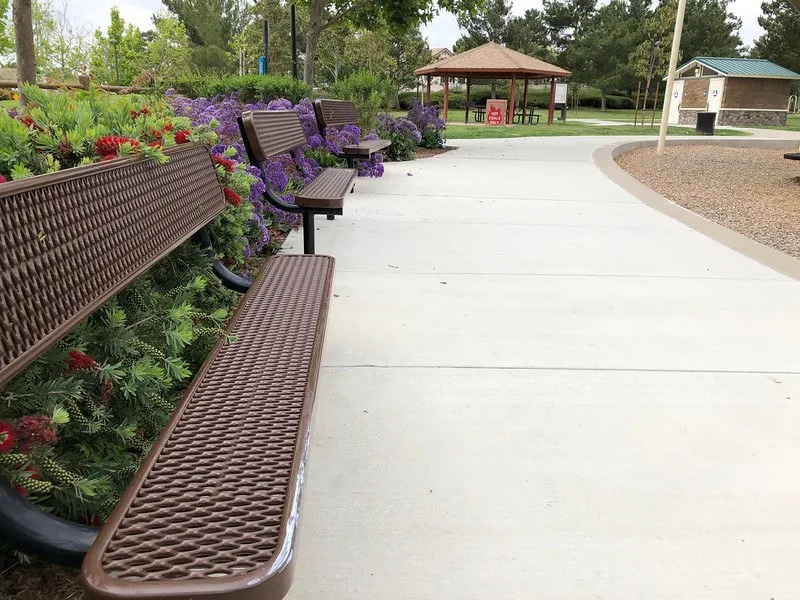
[(743, 92)]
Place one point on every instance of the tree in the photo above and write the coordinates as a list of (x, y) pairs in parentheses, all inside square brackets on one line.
[(25, 41), (67, 48), (211, 26), (779, 43), (529, 34), (409, 51), (566, 20), (118, 56), (490, 25), (168, 55), (398, 16), (601, 56), (6, 29), (710, 30)]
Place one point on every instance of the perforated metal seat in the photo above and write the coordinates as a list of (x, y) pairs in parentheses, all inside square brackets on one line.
[(212, 513)]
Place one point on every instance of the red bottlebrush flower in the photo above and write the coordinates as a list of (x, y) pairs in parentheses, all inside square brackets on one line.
[(26, 120), (78, 361), (182, 137), (225, 163), (167, 127), (95, 521), (8, 436), (3, 179), (35, 430), (144, 111), (110, 144), (108, 157), (35, 473), (232, 197), (156, 144), (134, 114)]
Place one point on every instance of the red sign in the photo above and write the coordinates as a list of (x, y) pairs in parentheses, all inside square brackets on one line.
[(496, 112)]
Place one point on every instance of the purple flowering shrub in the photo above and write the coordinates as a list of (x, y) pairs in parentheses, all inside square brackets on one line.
[(404, 135), (429, 122), (284, 174)]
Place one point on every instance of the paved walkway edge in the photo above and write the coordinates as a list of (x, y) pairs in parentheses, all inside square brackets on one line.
[(605, 159)]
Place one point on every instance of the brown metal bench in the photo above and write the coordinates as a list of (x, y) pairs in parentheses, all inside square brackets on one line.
[(335, 113), (268, 133), (199, 520)]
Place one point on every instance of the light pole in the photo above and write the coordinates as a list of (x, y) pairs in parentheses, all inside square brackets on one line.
[(673, 64)]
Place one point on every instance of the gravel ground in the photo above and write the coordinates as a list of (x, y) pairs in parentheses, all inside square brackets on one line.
[(755, 192)]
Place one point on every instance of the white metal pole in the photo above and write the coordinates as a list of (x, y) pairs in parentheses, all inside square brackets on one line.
[(673, 64)]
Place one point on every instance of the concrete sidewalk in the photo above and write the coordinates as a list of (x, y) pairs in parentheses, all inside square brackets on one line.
[(535, 386)]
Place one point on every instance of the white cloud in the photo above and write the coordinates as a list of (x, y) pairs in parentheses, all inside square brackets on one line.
[(96, 13), (443, 31)]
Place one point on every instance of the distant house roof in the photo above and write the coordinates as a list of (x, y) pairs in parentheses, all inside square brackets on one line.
[(739, 67), (492, 60), (439, 53)]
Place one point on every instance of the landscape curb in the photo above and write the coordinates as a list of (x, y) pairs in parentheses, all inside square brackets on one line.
[(605, 159)]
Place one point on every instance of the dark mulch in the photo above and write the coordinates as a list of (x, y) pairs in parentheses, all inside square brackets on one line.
[(429, 152), (39, 582)]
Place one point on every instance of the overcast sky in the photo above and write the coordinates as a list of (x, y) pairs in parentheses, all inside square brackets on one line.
[(443, 31)]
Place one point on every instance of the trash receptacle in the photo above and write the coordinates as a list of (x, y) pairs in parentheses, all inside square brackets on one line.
[(706, 121)]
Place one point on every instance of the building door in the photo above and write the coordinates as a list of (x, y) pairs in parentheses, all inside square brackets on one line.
[(715, 89), (675, 104)]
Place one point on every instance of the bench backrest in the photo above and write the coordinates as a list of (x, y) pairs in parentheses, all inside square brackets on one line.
[(70, 240), (334, 113), (271, 132)]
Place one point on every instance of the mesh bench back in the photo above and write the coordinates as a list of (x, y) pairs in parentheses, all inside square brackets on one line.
[(273, 132), (334, 113), (70, 240)]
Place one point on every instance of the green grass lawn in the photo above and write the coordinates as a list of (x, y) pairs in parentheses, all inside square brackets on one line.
[(457, 132), (793, 124)]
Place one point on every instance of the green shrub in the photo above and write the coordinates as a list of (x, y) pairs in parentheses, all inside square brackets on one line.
[(369, 92), (249, 88)]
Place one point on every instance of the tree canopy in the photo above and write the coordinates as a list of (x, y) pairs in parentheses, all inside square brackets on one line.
[(780, 42)]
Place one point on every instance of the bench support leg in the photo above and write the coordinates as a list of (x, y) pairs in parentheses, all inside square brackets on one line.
[(308, 233)]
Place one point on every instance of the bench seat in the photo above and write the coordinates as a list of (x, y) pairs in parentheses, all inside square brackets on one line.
[(212, 512), (366, 149), (327, 190)]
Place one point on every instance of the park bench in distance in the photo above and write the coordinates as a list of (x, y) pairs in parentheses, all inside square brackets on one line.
[(268, 133), (199, 520), (335, 113)]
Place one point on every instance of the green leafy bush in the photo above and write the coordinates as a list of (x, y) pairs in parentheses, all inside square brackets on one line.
[(370, 93), (248, 88), (75, 424), (80, 419)]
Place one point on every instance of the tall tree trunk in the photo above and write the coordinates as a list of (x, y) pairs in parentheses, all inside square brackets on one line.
[(26, 51), (603, 100), (494, 89), (315, 27)]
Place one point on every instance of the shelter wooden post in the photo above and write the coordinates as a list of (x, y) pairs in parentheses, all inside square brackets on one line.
[(552, 108), (512, 101), (446, 97), (466, 112), (525, 101), (428, 91)]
